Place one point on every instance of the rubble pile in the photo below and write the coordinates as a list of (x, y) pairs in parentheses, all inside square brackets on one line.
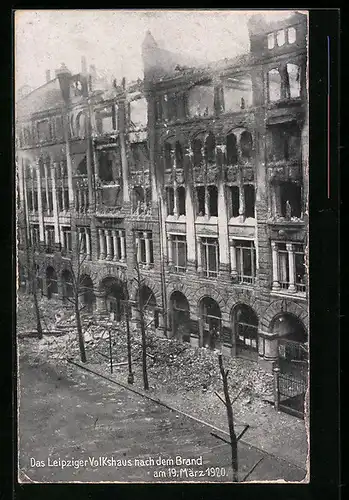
[(172, 365)]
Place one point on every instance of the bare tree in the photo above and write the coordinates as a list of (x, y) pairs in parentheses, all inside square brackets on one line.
[(33, 276), (141, 308), (78, 289), (228, 404)]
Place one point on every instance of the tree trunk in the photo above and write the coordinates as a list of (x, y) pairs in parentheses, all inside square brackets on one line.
[(129, 354), (144, 350), (37, 312), (233, 440), (79, 329)]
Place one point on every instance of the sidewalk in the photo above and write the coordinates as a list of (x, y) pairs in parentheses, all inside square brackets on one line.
[(285, 447)]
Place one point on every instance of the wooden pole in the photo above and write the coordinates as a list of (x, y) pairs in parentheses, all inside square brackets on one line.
[(233, 440)]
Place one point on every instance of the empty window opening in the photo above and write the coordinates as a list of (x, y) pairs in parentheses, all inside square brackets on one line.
[(66, 199), (249, 193), (274, 85), (234, 201), (137, 196), (179, 155), (200, 194), (271, 41), (290, 200), (293, 83), (232, 153), (292, 35), (105, 167), (82, 167), (246, 145), (170, 200), (181, 200), (284, 142), (210, 149), (280, 37), (197, 152), (213, 200)]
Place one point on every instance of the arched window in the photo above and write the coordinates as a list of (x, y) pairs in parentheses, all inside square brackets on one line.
[(67, 284), (51, 282), (211, 322), (246, 331), (246, 144), (232, 153), (180, 316), (210, 149), (197, 152)]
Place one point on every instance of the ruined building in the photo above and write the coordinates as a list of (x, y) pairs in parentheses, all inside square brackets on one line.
[(198, 173)]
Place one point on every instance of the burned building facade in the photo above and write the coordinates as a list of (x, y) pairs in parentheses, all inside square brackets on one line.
[(229, 143), (198, 174)]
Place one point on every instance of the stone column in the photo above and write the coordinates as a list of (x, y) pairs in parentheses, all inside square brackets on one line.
[(169, 245), (138, 243), (88, 243), (68, 158), (101, 244), (207, 203), (41, 218), (199, 254), (223, 237), (270, 348), (109, 244), (241, 198), (62, 236), (46, 189), (100, 302), (115, 245), (274, 255), (122, 245), (54, 199), (147, 248), (291, 273), (175, 199), (233, 269), (82, 240)]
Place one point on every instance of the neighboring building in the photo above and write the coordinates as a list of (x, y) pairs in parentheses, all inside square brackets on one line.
[(199, 173)]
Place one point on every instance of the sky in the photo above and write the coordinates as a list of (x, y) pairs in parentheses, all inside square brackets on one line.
[(112, 39)]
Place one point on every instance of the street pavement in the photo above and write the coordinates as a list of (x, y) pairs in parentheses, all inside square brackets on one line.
[(81, 428)]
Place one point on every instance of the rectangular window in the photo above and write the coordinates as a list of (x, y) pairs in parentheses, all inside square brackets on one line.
[(67, 239), (271, 41), (181, 200), (200, 197), (213, 200), (179, 251), (35, 236), (60, 199), (245, 261), (36, 201), (44, 201), (50, 201), (50, 238), (43, 130), (234, 201), (249, 200), (210, 255), (170, 200), (145, 251)]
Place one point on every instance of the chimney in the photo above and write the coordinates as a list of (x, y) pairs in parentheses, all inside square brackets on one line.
[(48, 75), (83, 65)]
